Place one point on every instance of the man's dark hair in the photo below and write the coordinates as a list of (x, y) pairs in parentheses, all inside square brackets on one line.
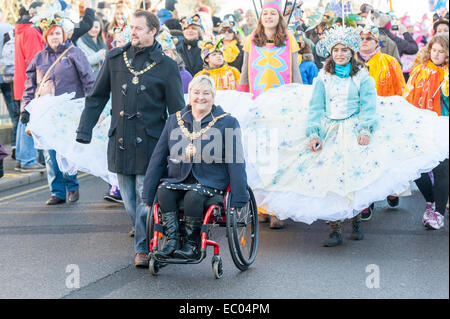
[(152, 20)]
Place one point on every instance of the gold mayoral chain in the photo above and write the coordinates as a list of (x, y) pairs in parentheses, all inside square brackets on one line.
[(191, 149), (135, 79)]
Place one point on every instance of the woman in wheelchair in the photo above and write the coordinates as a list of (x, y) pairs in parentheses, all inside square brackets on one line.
[(198, 155)]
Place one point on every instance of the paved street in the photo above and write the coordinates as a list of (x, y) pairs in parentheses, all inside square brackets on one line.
[(38, 243)]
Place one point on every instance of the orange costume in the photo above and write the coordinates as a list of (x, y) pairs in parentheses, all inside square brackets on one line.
[(425, 85), (387, 73), (226, 77)]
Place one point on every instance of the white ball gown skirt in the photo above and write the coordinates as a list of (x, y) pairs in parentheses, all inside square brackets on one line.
[(287, 179)]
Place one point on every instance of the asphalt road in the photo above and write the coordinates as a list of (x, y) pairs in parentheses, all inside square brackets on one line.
[(42, 248)]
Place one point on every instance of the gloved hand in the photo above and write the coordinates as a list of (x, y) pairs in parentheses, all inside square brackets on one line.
[(24, 117)]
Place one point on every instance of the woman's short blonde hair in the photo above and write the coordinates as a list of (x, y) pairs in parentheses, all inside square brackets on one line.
[(202, 81)]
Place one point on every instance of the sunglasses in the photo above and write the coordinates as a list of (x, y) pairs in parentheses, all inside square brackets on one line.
[(226, 31), (367, 39)]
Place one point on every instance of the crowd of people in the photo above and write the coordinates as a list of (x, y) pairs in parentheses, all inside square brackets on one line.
[(338, 89)]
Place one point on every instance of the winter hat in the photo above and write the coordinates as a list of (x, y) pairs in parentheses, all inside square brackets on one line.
[(274, 4)]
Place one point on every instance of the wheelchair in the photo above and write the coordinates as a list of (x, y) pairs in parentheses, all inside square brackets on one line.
[(242, 232)]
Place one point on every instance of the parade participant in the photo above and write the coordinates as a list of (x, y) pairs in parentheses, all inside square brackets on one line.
[(59, 68), (168, 46), (121, 15), (383, 68), (428, 88), (232, 51), (389, 80), (346, 150), (226, 77), (145, 85), (271, 53), (270, 60), (190, 175), (188, 48), (93, 45), (27, 42)]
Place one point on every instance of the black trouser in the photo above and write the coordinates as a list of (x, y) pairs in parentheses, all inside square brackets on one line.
[(437, 192), (194, 203)]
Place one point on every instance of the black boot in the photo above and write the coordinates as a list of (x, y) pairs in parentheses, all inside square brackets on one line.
[(191, 247), (335, 237), (357, 233), (172, 233)]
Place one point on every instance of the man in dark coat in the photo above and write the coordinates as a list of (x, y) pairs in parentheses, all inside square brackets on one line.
[(146, 87)]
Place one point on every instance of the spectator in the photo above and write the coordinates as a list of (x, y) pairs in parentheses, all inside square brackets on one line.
[(250, 22), (59, 68), (93, 45), (405, 46), (308, 68), (27, 42), (5, 81)]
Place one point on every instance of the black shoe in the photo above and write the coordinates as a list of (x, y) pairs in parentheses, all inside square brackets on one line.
[(357, 233), (334, 239), (191, 249), (13, 153), (170, 220), (366, 214), (393, 201), (55, 201)]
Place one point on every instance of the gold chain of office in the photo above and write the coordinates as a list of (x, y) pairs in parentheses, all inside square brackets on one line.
[(135, 79), (191, 149)]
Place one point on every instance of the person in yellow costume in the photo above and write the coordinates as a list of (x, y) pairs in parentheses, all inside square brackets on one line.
[(389, 80), (226, 77), (383, 68), (232, 51)]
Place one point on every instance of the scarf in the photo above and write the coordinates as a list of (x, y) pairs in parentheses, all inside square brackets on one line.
[(192, 43), (95, 46), (343, 71), (369, 56)]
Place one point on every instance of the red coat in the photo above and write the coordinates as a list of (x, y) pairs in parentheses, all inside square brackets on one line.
[(28, 42)]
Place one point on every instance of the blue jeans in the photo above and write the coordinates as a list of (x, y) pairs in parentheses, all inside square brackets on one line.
[(57, 180), (131, 187), (25, 152), (13, 108)]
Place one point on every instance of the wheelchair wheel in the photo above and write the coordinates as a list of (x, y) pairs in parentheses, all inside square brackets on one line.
[(153, 266), (149, 227), (243, 232), (217, 267)]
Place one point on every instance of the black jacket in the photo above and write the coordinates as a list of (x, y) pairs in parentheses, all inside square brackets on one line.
[(221, 163), (84, 26), (139, 111), (405, 46), (192, 57)]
